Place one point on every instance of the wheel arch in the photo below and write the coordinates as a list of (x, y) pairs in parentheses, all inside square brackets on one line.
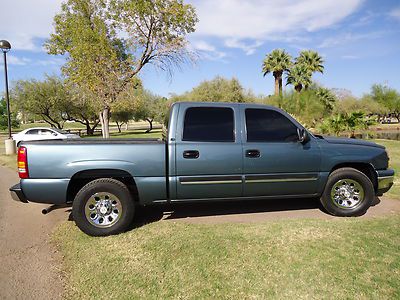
[(366, 168), (81, 178)]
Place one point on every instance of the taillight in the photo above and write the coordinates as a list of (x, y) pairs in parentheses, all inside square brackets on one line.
[(23, 163)]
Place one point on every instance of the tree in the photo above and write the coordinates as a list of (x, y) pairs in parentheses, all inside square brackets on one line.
[(327, 98), (335, 124), (107, 43), (345, 122), (4, 117), (127, 104), (277, 62), (55, 102), (311, 60), (81, 109), (152, 108), (46, 98), (387, 97), (298, 76), (122, 113), (218, 89), (356, 120)]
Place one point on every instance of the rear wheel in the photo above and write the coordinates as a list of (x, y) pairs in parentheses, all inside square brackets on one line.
[(347, 193), (103, 207)]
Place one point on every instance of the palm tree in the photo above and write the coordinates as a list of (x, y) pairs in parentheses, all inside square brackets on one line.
[(312, 60), (327, 98), (299, 76), (277, 62)]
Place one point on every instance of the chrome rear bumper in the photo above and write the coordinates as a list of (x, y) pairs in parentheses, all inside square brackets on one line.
[(17, 194)]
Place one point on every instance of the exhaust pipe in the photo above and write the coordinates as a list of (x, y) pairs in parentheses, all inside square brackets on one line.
[(46, 210)]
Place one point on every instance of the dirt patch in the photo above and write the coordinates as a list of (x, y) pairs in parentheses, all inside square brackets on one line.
[(29, 264)]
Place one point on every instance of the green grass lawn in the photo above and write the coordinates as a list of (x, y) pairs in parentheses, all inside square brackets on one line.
[(393, 148), (287, 259)]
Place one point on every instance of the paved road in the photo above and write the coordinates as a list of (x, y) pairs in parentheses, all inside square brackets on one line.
[(29, 264)]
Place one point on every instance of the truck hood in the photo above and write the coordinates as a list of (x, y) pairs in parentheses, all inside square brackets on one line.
[(347, 141)]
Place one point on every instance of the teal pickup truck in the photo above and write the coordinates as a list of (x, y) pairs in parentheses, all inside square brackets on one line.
[(214, 151)]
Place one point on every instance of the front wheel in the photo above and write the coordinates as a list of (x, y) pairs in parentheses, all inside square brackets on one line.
[(347, 193), (103, 207)]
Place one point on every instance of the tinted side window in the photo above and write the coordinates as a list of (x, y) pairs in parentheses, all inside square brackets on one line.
[(46, 132), (264, 125), (209, 124), (33, 131)]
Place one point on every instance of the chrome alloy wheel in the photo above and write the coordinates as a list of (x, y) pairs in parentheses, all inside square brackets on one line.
[(347, 193), (103, 210)]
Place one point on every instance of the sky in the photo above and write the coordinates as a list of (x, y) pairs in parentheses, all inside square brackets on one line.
[(359, 41)]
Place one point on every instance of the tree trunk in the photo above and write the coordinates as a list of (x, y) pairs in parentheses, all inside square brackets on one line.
[(150, 125), (89, 130), (119, 126), (105, 121), (397, 117), (298, 88), (278, 83), (276, 86), (53, 123)]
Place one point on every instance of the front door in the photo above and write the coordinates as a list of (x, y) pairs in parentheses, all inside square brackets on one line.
[(208, 152), (275, 162)]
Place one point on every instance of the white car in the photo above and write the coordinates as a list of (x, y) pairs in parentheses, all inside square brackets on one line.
[(42, 133)]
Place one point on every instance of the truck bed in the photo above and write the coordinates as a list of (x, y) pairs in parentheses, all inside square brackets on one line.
[(96, 141), (56, 163)]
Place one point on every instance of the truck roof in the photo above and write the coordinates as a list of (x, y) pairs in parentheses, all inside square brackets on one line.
[(225, 103)]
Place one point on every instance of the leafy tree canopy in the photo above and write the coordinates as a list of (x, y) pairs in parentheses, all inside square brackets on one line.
[(386, 97), (107, 43), (312, 61), (3, 116), (218, 89), (55, 102), (299, 76)]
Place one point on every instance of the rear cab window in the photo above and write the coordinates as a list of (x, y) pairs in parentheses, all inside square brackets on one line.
[(209, 124)]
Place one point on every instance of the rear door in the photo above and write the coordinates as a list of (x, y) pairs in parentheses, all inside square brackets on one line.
[(31, 135), (208, 152), (275, 162), (47, 134)]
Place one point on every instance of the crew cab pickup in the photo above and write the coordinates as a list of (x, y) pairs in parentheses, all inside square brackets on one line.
[(213, 151)]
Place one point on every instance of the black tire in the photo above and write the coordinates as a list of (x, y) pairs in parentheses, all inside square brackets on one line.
[(118, 193), (347, 177)]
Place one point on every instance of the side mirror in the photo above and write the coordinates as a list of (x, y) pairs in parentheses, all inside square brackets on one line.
[(55, 134), (303, 135)]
